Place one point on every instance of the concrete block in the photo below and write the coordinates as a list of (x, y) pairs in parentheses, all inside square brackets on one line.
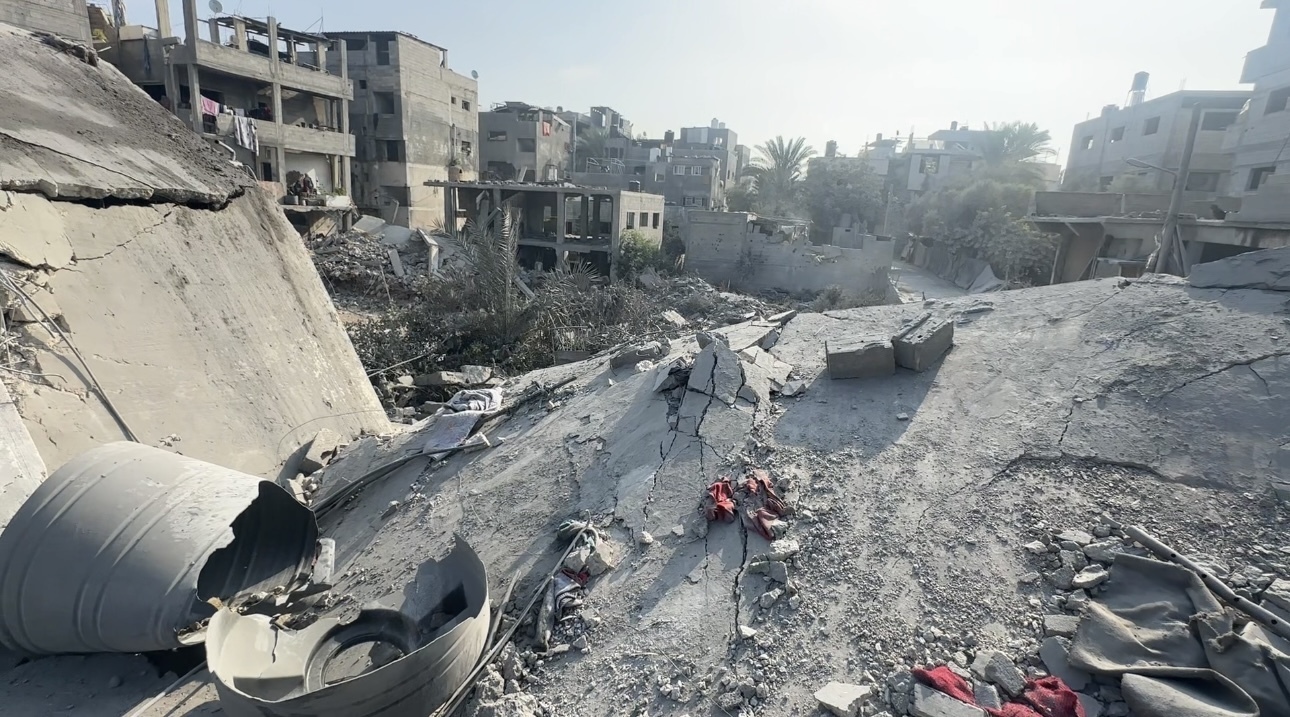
[(919, 349), (322, 449), (842, 699), (862, 358), (930, 703)]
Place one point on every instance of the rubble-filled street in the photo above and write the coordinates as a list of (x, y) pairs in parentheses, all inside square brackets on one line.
[(325, 391)]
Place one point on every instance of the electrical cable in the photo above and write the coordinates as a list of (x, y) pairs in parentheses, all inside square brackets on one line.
[(10, 284)]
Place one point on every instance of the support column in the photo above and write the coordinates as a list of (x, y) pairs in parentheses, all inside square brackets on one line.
[(190, 22), (194, 98), (320, 55), (560, 218), (239, 34), (172, 82), (586, 218), (214, 30), (496, 212), (279, 153), (595, 218), (164, 28), (343, 123)]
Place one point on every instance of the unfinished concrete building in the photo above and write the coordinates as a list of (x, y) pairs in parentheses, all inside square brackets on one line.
[(1257, 139), (67, 18), (1154, 132), (519, 141), (715, 140), (414, 121), (561, 225), (254, 90)]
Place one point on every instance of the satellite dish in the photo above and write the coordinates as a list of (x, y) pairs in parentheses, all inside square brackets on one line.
[(216, 7), (473, 73)]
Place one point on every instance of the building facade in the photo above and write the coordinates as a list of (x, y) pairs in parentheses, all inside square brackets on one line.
[(519, 141), (67, 18), (1155, 132), (1257, 139), (414, 121)]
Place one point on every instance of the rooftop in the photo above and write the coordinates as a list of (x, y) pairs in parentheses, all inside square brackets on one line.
[(262, 27), (363, 33)]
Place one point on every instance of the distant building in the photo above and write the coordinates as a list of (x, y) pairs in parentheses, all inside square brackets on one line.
[(1154, 132), (277, 112), (522, 142), (928, 164), (414, 121), (68, 18), (1258, 137)]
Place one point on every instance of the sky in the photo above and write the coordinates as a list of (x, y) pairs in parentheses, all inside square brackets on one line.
[(823, 69)]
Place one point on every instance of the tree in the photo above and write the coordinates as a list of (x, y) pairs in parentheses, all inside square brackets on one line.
[(777, 171), (591, 143), (832, 189), (1009, 149), (741, 197)]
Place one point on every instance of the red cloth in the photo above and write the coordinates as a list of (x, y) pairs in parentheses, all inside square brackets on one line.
[(1045, 697), (720, 503)]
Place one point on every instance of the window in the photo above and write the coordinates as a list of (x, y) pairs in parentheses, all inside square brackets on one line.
[(497, 136), (356, 44), (1086, 142), (631, 220), (696, 169), (1104, 183), (384, 102), (1258, 176), (465, 148), (639, 170), (658, 177), (1117, 134), (929, 165), (454, 100), (393, 150), (656, 220), (1151, 126), (266, 171), (644, 219), (1217, 121), (465, 104), (362, 84), (527, 144), (1203, 181), (1278, 100), (696, 201), (679, 169), (382, 52)]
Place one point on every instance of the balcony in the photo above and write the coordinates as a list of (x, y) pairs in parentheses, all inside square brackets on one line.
[(239, 63), (292, 138)]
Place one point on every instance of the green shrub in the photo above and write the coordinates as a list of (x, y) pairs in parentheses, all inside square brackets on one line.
[(636, 253)]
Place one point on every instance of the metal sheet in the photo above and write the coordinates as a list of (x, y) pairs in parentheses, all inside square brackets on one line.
[(439, 623), (119, 550)]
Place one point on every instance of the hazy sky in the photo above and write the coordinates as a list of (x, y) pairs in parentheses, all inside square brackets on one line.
[(825, 69)]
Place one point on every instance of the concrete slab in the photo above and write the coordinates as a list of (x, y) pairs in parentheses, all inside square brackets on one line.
[(860, 358)]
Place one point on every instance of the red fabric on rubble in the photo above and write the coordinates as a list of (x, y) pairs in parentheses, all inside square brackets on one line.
[(1045, 697), (720, 504)]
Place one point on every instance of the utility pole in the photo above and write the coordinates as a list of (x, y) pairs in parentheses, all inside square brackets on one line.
[(1170, 239)]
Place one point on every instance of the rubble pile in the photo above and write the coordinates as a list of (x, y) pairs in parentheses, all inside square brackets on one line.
[(363, 273)]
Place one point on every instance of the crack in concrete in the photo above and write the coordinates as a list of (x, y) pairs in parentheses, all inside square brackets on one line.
[(1262, 380), (1228, 367), (148, 230), (1092, 308)]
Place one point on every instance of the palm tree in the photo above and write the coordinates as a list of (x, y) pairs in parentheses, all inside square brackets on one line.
[(1010, 149), (591, 144), (777, 170)]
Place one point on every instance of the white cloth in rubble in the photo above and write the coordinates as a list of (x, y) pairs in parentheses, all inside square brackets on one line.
[(244, 133), (476, 399)]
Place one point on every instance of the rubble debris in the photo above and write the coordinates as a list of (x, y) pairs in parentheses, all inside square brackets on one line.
[(995, 667), (924, 345), (1267, 269), (843, 699), (928, 702), (1054, 651), (433, 631), (632, 355), (746, 632), (792, 388), (862, 358), (674, 319), (144, 594), (322, 450), (1061, 625)]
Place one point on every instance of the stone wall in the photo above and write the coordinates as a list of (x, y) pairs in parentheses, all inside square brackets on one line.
[(740, 250)]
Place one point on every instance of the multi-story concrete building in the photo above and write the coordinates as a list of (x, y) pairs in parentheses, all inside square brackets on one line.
[(650, 165), (414, 120), (1258, 137), (1155, 132), (523, 142), (68, 18), (276, 111)]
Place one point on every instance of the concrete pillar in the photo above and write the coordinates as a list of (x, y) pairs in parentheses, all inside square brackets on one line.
[(214, 30), (190, 22), (279, 154), (561, 216), (449, 211), (273, 45), (320, 55), (164, 28), (595, 218), (586, 217), (239, 34), (344, 59), (347, 179), (172, 82), (194, 98)]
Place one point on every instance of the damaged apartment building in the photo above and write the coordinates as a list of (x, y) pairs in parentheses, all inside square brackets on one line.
[(523, 142), (415, 121), (255, 90)]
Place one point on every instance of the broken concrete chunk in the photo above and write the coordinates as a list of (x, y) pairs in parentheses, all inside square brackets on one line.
[(674, 318), (476, 375), (717, 372), (909, 326), (632, 355), (1267, 269), (928, 702), (1060, 625), (1038, 547), (987, 696), (770, 597), (1278, 593), (707, 337), (1103, 551), (747, 633), (783, 317), (1089, 577), (1075, 536), (442, 378), (1054, 653), (322, 450), (997, 669), (577, 558), (924, 345), (1092, 708), (783, 549), (862, 358), (792, 388), (770, 340), (603, 559), (842, 699), (297, 488)]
